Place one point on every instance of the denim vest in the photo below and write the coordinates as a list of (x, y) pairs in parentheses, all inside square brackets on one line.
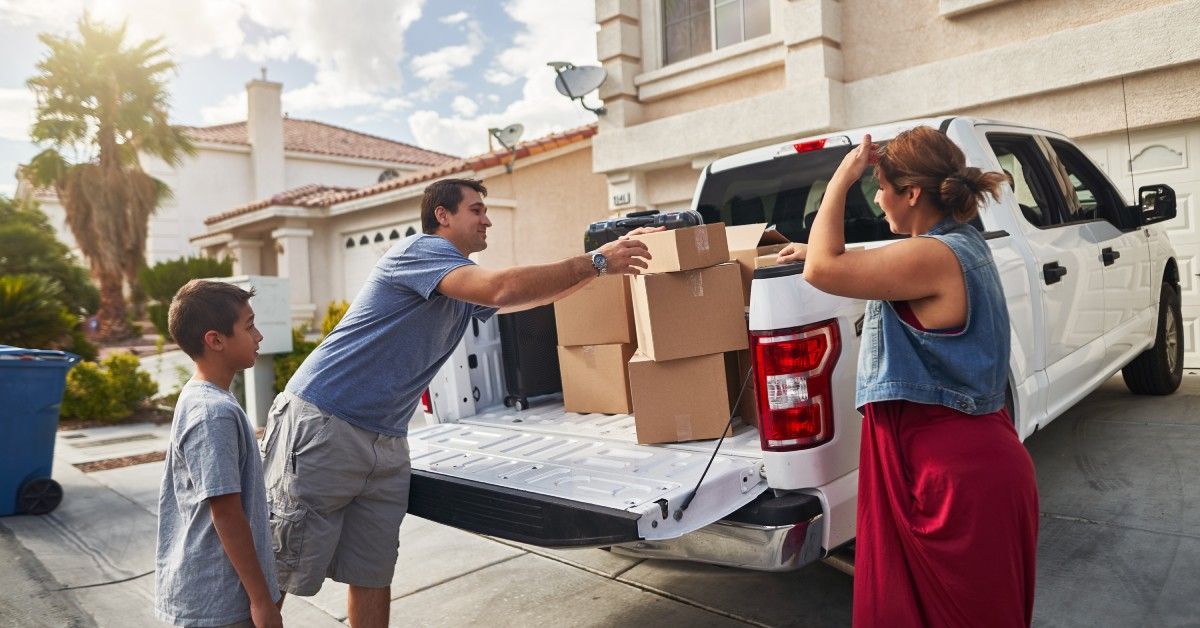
[(966, 370)]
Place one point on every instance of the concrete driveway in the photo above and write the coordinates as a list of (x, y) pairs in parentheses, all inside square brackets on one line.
[(1119, 547)]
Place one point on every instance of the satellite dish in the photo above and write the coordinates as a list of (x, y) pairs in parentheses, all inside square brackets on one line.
[(508, 137), (575, 82)]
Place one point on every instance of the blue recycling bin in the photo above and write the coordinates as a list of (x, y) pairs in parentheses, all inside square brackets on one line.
[(31, 389)]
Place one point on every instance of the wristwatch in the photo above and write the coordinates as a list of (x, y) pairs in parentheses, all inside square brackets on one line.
[(600, 263)]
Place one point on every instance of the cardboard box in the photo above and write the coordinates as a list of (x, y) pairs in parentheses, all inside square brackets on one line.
[(681, 400), (685, 314), (595, 378), (749, 242), (685, 249), (763, 261), (599, 313)]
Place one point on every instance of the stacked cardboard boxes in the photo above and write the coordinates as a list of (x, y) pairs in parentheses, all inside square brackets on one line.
[(689, 314), (595, 338)]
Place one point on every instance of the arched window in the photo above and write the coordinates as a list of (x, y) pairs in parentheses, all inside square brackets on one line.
[(378, 237), (364, 240), (388, 175), (410, 232), (394, 235), (349, 243)]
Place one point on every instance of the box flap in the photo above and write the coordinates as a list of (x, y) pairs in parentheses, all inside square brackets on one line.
[(749, 237)]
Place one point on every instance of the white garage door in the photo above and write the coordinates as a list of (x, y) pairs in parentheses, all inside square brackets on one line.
[(1169, 155), (361, 249)]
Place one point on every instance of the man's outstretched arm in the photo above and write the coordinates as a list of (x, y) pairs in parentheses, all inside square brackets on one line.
[(522, 285)]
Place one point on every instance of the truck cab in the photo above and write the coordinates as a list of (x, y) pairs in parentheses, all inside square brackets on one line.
[(1092, 287)]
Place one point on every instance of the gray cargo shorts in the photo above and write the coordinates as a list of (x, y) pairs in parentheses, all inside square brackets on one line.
[(337, 494)]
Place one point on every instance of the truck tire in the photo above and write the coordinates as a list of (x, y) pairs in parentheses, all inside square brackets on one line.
[(1159, 369)]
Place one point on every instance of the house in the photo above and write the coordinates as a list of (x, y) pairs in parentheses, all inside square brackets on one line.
[(237, 163), (327, 238), (689, 82)]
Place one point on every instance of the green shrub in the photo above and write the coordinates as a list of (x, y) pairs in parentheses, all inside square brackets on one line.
[(108, 391), (132, 385), (90, 394), (32, 314), (287, 363), (162, 280), (333, 316), (29, 246), (81, 346)]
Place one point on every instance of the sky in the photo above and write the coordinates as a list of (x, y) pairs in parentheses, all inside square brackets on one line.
[(436, 74)]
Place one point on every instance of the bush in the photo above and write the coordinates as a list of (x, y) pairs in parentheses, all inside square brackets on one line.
[(162, 280), (32, 314), (29, 246), (333, 316), (108, 391), (287, 363)]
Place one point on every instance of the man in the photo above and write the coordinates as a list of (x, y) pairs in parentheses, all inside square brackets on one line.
[(335, 450)]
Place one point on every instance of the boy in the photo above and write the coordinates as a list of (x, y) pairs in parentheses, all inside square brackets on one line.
[(214, 565)]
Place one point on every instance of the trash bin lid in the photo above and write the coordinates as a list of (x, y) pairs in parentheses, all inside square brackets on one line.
[(17, 356)]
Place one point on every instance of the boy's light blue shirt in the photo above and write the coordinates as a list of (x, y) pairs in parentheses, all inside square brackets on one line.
[(371, 369), (213, 452)]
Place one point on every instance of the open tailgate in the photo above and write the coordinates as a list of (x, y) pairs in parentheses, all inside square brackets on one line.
[(559, 479)]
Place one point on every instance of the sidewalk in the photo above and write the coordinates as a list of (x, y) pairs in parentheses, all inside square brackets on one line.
[(95, 561)]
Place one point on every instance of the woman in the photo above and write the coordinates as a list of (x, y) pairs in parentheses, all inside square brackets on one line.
[(947, 498)]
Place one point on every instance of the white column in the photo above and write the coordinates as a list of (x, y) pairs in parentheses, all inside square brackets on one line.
[(264, 129), (246, 255), (291, 251)]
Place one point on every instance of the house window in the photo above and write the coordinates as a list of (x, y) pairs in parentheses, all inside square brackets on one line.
[(694, 27)]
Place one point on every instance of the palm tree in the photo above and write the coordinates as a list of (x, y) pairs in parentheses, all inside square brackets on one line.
[(101, 105)]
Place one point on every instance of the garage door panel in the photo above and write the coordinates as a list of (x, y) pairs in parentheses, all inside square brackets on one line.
[(1169, 155)]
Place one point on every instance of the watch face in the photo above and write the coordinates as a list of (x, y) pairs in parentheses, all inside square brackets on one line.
[(600, 262)]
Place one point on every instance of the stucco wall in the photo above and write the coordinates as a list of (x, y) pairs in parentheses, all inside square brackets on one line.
[(299, 171), (738, 88), (882, 37), (555, 200)]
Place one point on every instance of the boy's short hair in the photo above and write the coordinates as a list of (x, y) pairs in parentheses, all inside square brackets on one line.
[(202, 306)]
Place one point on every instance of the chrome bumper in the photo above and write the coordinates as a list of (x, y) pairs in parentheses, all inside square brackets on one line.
[(747, 546)]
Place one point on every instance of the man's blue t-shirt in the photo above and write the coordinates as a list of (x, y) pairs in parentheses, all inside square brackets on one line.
[(372, 368)]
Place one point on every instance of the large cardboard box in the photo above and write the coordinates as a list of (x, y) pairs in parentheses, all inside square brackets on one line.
[(685, 249), (595, 378), (599, 313), (747, 243), (685, 314), (681, 400)]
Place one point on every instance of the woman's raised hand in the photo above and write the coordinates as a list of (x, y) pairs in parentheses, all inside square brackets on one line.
[(855, 163)]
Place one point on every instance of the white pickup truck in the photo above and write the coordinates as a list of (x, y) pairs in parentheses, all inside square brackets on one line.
[(1092, 289)]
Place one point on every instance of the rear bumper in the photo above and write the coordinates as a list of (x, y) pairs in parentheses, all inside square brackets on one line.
[(742, 545)]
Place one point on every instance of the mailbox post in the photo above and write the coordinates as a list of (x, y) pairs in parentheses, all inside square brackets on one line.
[(273, 317)]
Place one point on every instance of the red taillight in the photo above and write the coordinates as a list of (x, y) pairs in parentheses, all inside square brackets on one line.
[(793, 370), (426, 402), (810, 145)]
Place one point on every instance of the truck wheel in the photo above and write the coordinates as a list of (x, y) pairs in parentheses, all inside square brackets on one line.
[(1159, 369)]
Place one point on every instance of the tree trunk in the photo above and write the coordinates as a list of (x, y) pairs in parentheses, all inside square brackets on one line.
[(112, 320)]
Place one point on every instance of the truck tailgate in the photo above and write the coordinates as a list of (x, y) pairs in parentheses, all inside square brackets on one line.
[(559, 479)]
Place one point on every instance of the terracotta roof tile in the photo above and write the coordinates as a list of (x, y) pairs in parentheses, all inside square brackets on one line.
[(310, 136), (311, 195), (326, 196), (476, 163)]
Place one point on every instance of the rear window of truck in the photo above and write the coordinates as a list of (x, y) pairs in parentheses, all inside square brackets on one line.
[(787, 191)]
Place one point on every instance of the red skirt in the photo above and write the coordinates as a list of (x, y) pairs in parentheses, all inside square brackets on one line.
[(947, 519)]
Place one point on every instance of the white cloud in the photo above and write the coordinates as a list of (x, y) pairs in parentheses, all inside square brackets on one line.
[(498, 77), (454, 18), (464, 106), (549, 32), (16, 113), (356, 51), (442, 62), (231, 108)]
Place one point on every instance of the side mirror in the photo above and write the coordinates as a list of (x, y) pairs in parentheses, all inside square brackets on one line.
[(1156, 203)]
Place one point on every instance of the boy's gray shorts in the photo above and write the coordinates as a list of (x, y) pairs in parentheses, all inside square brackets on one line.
[(337, 494)]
